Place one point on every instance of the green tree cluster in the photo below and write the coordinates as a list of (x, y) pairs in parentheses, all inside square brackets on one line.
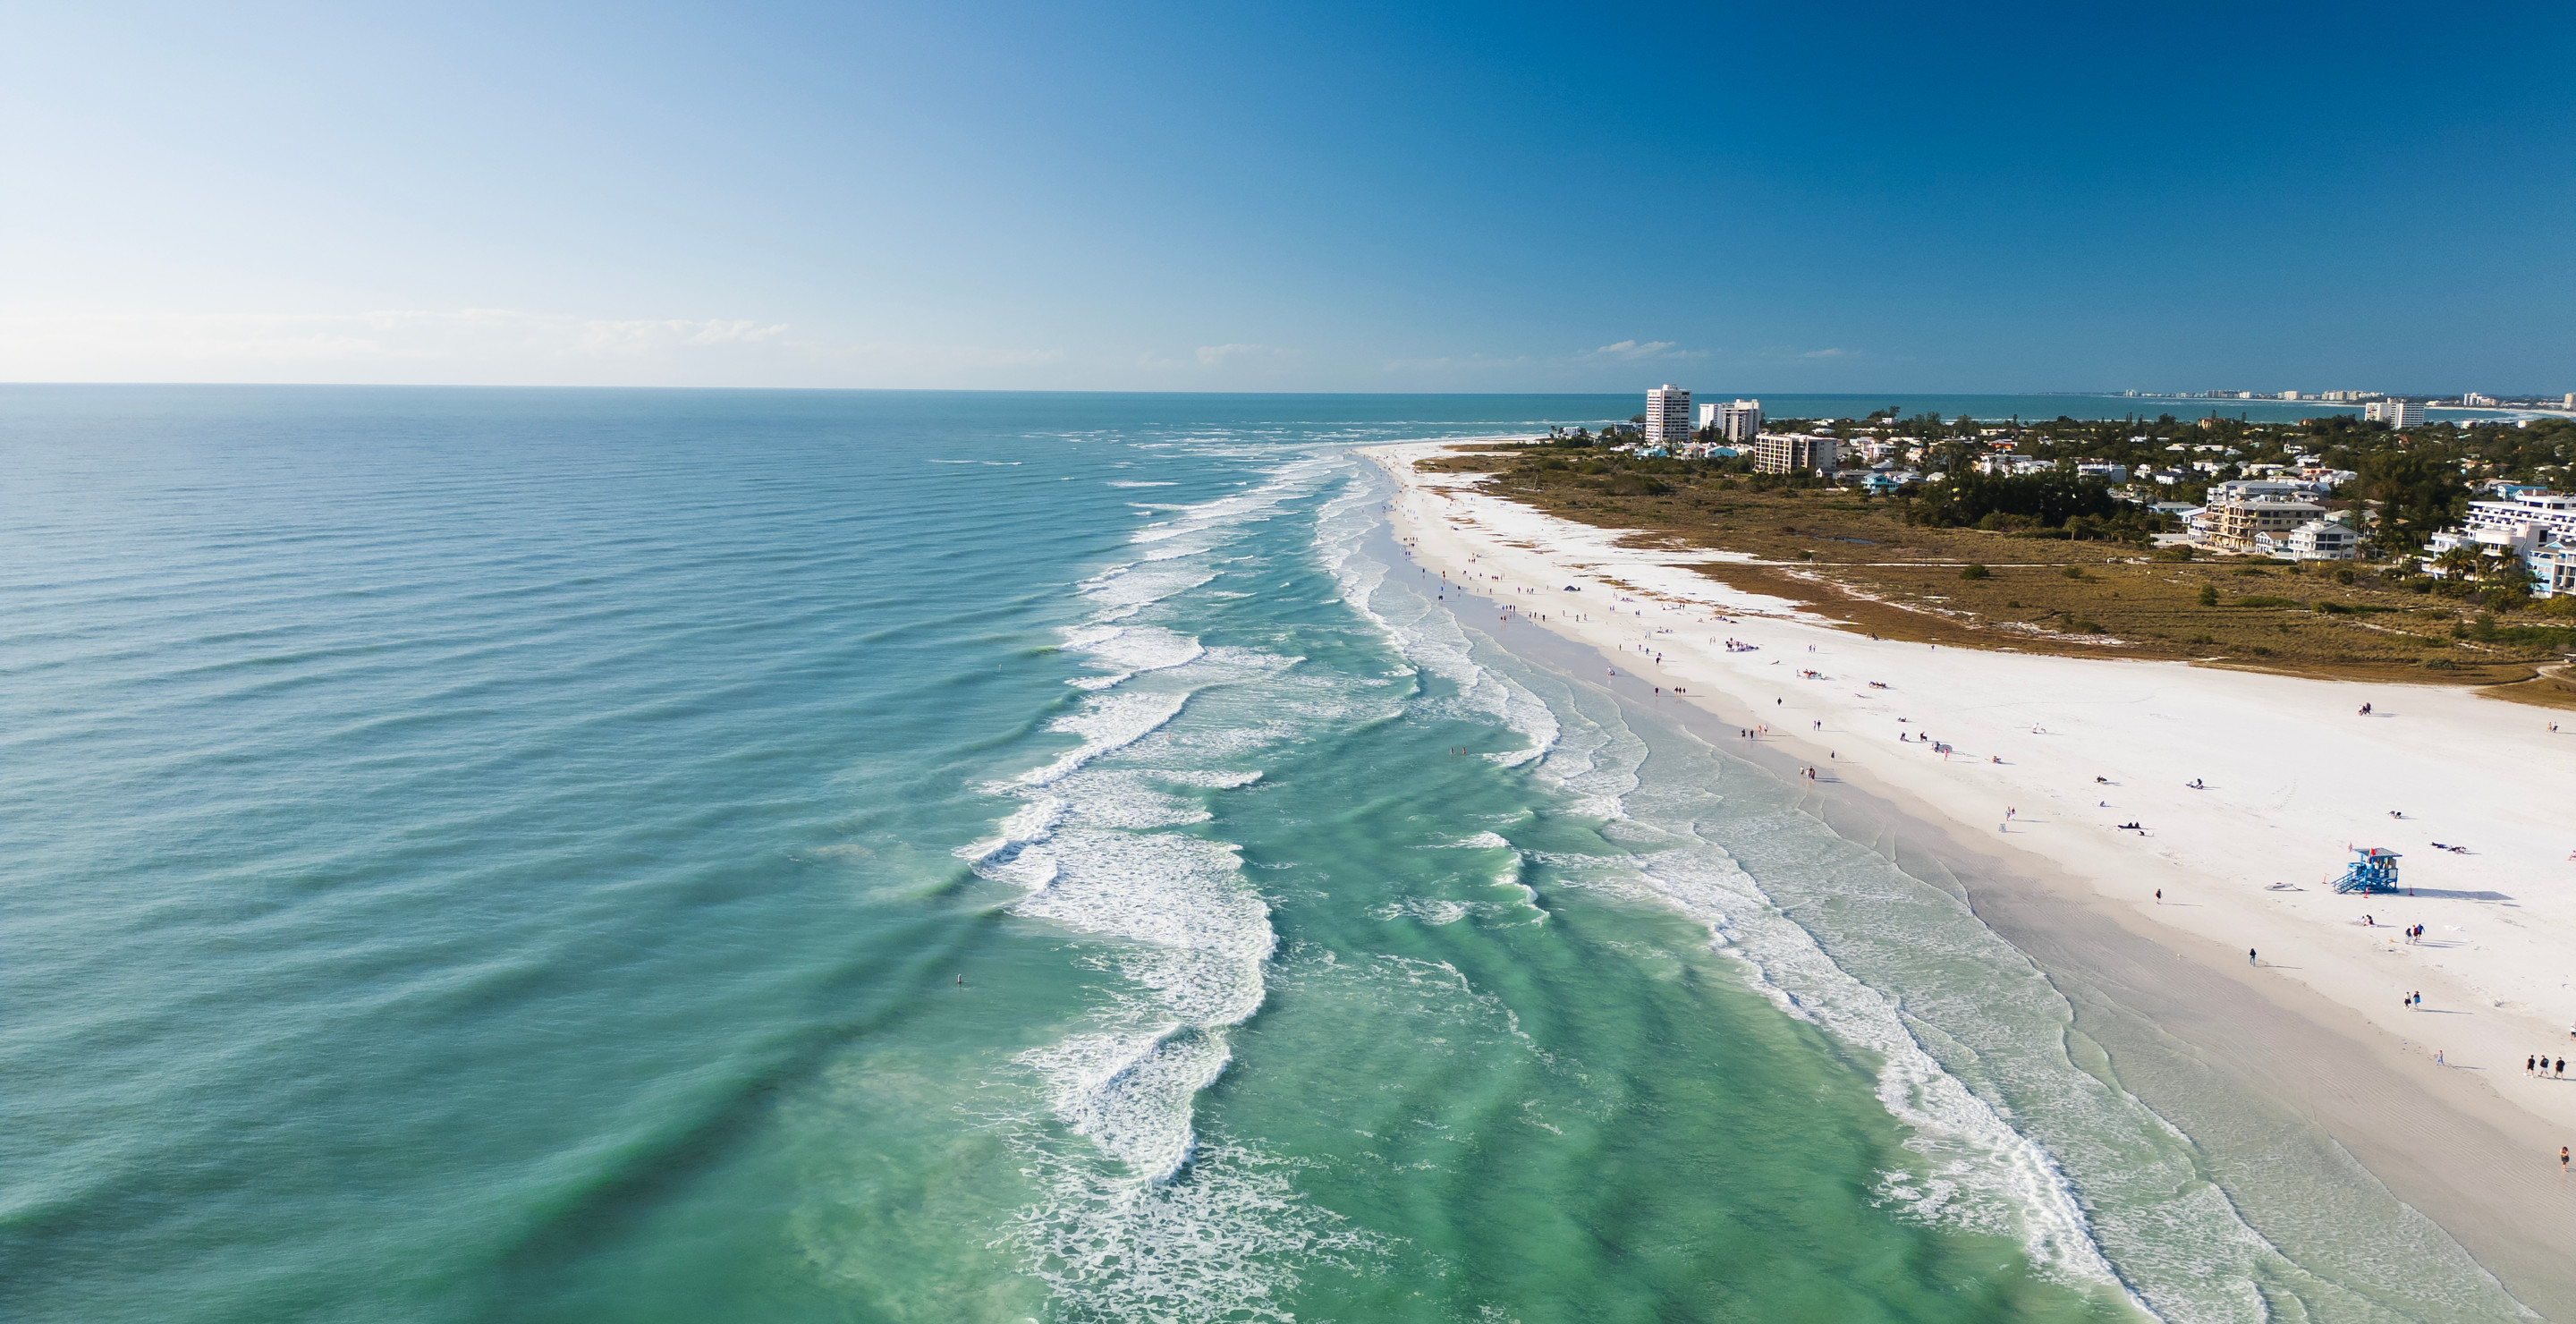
[(1989, 501)]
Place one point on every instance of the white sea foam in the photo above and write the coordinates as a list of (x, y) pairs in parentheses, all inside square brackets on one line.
[(1136, 1222), (1135, 482), (1425, 632), (1106, 722), (1162, 888), (1971, 1150), (1212, 779), (1132, 648), (1030, 822), (1434, 911), (1122, 591), (1226, 1246), (1130, 1093)]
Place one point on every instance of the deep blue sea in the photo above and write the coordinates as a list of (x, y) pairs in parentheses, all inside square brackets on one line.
[(652, 855)]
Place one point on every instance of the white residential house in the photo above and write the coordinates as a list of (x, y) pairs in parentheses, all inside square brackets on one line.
[(2104, 470), (2316, 540), (1668, 416)]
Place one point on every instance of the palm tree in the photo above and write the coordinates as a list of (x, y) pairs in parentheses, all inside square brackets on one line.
[(2460, 561)]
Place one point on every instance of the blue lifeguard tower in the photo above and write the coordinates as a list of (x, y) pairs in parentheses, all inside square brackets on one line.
[(2375, 871)]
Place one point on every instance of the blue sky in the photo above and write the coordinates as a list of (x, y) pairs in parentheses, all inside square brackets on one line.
[(1318, 197)]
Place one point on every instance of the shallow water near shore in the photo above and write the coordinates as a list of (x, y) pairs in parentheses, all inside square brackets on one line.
[(641, 855)]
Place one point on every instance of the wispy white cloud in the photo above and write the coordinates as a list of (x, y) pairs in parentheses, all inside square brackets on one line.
[(1636, 351), (1826, 354), (1446, 363), (1206, 356)]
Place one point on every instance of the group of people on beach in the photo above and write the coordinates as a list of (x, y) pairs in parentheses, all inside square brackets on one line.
[(2541, 1066)]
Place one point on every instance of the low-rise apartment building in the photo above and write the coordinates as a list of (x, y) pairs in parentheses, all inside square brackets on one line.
[(1794, 452), (2239, 516), (2537, 528)]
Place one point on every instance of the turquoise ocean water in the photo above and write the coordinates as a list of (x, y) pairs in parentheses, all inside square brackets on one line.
[(528, 855)]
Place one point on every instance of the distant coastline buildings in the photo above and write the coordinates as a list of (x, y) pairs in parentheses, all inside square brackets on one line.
[(2384, 400), (1669, 422), (1668, 416)]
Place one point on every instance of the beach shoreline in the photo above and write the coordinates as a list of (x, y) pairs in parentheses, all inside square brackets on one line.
[(2312, 1027)]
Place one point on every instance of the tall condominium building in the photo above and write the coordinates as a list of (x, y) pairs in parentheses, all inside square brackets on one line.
[(2395, 413), (1707, 416), (1789, 452), (1740, 421), (1668, 419), (2570, 402), (2475, 398)]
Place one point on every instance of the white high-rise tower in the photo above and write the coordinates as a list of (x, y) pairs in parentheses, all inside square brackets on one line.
[(1741, 421), (1668, 420)]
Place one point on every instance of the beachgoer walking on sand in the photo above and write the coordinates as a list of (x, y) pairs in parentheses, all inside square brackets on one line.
[(2249, 957), (2526, 1065), (2160, 896), (2562, 1160)]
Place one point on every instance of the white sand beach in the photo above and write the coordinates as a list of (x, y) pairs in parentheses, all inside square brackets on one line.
[(2250, 790)]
